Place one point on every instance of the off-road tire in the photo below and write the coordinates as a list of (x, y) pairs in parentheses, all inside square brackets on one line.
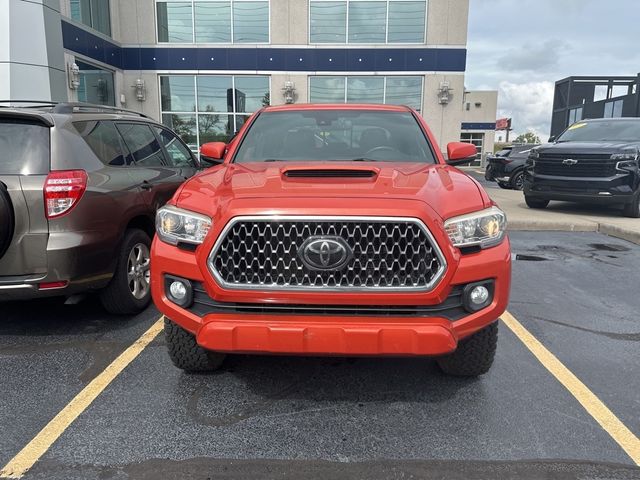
[(535, 202), (632, 210), (474, 355), (186, 354), (116, 297), (515, 182), (7, 220)]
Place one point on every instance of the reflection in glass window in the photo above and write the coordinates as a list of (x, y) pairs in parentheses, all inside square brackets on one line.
[(213, 22), (250, 22), (405, 90), (93, 13), (327, 90), (96, 85), (175, 22), (328, 22), (406, 22), (365, 90), (223, 104), (613, 109), (142, 143), (575, 115), (217, 21), (367, 21)]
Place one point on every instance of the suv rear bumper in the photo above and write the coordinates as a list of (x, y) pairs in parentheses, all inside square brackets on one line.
[(606, 191)]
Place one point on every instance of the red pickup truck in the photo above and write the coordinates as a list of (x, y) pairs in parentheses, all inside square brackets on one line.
[(332, 230)]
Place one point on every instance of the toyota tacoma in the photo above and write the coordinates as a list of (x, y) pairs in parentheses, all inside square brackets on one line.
[(332, 230)]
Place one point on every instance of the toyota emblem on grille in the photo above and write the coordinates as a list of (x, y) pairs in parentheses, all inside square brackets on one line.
[(325, 253), (569, 161)]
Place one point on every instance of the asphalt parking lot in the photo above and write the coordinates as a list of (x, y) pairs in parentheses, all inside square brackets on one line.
[(291, 417)]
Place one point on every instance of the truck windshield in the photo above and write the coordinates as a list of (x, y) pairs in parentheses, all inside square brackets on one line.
[(335, 135), (603, 131), (24, 147)]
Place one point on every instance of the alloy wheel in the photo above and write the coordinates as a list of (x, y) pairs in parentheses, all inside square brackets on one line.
[(138, 272)]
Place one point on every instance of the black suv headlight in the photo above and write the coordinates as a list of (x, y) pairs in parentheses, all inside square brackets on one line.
[(626, 161)]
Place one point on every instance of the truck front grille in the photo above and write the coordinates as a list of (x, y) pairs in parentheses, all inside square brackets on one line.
[(586, 166), (393, 254)]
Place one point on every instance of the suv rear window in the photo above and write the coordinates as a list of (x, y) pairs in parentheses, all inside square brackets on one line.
[(24, 147)]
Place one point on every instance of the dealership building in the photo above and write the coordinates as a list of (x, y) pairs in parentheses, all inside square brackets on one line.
[(203, 66)]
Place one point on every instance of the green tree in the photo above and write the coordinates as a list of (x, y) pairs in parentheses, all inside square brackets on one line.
[(528, 137)]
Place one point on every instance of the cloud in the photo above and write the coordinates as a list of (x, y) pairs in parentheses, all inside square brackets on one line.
[(529, 104), (535, 57)]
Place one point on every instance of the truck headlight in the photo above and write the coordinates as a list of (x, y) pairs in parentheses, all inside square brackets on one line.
[(485, 228), (175, 225), (626, 160)]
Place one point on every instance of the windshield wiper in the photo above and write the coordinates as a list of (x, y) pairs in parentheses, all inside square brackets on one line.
[(363, 159), (273, 160)]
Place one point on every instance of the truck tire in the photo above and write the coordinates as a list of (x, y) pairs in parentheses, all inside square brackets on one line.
[(535, 202), (186, 354), (129, 290), (7, 220), (474, 355), (632, 210)]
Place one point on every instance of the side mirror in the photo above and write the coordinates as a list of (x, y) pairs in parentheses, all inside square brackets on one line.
[(459, 153), (213, 152)]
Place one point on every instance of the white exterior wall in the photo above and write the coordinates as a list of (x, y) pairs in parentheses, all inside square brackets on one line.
[(481, 107)]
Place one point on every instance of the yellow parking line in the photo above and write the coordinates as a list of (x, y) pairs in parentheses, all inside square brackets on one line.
[(591, 403), (31, 453)]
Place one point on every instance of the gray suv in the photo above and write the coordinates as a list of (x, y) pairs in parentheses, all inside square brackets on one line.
[(79, 188)]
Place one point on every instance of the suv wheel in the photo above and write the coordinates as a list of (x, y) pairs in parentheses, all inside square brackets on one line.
[(6, 220), (632, 209), (504, 185), (129, 290), (474, 355), (535, 203), (186, 354), (517, 181)]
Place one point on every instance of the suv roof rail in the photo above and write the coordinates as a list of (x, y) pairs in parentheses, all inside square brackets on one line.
[(77, 107), (68, 107)]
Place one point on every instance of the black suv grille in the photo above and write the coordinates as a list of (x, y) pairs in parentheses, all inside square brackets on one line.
[(585, 166), (386, 254)]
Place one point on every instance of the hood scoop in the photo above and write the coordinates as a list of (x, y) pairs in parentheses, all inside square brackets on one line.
[(329, 173)]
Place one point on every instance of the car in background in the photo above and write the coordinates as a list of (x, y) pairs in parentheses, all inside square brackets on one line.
[(79, 188), (592, 161), (332, 230), (506, 167)]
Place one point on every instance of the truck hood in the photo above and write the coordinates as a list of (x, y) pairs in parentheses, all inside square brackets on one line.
[(445, 189)]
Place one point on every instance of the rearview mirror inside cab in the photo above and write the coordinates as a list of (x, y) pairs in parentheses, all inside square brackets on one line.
[(213, 152), (459, 153)]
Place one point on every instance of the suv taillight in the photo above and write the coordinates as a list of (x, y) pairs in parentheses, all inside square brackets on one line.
[(63, 190)]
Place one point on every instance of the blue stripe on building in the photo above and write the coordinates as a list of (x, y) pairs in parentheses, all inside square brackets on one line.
[(86, 43), (478, 126)]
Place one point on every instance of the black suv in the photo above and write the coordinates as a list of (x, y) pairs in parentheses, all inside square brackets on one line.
[(506, 167), (79, 188), (592, 161)]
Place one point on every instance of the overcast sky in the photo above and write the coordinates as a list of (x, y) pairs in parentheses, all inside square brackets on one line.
[(521, 47)]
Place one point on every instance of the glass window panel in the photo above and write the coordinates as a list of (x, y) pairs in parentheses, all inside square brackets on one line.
[(177, 93), (175, 22), (328, 22), (365, 89), (178, 154), (104, 140), (240, 119), (251, 22), (184, 126), (213, 22), (81, 11), (100, 16), (404, 91), (406, 22), (142, 144), (215, 94), (215, 128), (367, 22), (252, 93), (617, 108), (608, 110), (326, 89), (96, 85)]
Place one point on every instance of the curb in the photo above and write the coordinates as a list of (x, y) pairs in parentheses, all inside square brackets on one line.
[(604, 228)]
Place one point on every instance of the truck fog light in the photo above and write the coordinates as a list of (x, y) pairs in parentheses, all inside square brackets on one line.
[(477, 296), (178, 290)]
